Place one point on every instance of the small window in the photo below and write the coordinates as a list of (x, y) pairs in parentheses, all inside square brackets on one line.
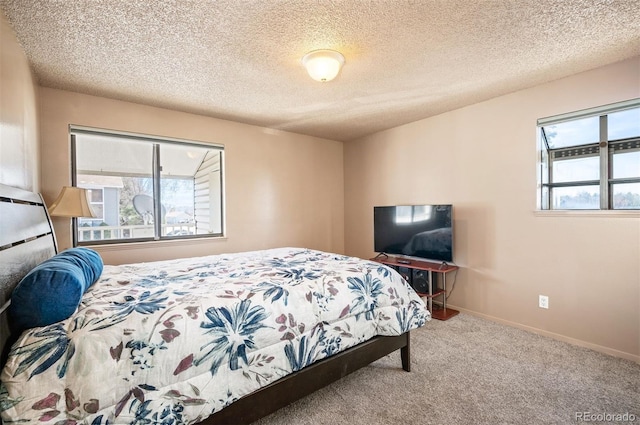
[(624, 124), (573, 133), (146, 188), (96, 199), (590, 160)]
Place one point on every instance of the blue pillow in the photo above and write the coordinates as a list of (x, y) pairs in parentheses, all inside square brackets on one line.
[(52, 290)]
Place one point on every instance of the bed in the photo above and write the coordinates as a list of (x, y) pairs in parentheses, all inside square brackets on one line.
[(218, 339)]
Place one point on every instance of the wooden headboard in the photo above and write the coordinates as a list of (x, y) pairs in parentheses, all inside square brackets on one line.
[(26, 239)]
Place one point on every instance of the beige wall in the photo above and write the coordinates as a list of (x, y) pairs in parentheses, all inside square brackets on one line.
[(18, 118), (482, 159), (282, 189)]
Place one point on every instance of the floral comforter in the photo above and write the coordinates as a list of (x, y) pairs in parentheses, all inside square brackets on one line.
[(175, 341)]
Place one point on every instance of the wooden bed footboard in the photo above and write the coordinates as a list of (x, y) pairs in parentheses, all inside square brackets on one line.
[(313, 377)]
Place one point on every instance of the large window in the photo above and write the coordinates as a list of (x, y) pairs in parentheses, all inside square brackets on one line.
[(147, 188), (590, 159)]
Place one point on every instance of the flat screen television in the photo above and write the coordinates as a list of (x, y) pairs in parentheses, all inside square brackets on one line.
[(423, 231)]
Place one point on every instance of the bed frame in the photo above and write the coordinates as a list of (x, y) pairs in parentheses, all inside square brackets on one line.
[(27, 238)]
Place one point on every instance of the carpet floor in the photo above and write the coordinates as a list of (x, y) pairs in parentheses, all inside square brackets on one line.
[(468, 370)]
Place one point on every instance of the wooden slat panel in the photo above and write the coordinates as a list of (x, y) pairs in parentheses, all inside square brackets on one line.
[(15, 193), (21, 221), (15, 263), (22, 217)]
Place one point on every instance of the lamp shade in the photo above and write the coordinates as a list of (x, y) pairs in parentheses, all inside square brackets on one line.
[(72, 202), (323, 65)]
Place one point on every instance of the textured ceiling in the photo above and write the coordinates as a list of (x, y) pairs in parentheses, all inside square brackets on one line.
[(240, 59)]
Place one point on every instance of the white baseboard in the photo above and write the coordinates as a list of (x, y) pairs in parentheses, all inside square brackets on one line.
[(559, 337)]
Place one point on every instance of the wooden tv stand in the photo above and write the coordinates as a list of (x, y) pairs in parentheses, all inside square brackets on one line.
[(440, 312)]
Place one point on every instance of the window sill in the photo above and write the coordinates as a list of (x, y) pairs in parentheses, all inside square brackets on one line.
[(588, 213), (124, 246)]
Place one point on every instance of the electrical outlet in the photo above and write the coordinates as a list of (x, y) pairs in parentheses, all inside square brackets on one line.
[(543, 301)]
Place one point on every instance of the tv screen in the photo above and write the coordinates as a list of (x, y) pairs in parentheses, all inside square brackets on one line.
[(424, 231)]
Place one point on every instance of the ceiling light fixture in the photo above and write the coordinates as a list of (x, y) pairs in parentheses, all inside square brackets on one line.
[(323, 65)]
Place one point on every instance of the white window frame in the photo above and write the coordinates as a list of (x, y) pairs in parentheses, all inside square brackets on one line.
[(603, 148), (156, 170)]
